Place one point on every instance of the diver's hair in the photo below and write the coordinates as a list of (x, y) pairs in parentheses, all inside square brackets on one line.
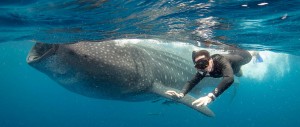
[(200, 53)]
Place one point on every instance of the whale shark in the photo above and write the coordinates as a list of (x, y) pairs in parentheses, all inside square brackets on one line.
[(126, 70)]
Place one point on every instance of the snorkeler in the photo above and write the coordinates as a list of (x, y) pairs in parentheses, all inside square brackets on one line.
[(216, 66)]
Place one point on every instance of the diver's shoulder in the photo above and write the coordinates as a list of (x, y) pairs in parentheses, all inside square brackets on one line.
[(217, 56), (220, 58)]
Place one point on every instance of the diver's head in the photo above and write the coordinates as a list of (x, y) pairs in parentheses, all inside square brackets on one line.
[(202, 60)]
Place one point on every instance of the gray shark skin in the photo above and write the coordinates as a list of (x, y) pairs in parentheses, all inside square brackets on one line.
[(117, 70)]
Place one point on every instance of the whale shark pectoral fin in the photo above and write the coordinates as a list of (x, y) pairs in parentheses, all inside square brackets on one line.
[(187, 100)]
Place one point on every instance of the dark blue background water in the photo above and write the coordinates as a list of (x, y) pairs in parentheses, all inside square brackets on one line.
[(29, 98)]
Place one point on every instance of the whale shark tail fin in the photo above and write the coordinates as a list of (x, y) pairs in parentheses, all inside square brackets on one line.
[(187, 100)]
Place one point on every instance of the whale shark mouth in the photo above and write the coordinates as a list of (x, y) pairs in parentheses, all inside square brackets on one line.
[(39, 51)]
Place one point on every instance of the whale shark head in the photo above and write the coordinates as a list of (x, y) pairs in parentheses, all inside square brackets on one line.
[(40, 51), (44, 58), (93, 69)]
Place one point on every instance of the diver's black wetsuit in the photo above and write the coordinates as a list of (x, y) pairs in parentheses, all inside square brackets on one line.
[(223, 66)]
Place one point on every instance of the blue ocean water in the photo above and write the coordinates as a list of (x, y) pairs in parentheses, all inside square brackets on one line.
[(267, 94)]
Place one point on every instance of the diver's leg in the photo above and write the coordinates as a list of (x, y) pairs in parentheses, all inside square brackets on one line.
[(238, 56), (239, 73)]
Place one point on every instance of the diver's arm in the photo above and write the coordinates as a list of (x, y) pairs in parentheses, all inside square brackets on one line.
[(226, 82), (187, 87), (192, 83)]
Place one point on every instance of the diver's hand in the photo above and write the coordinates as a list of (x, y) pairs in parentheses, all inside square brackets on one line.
[(203, 101), (174, 94)]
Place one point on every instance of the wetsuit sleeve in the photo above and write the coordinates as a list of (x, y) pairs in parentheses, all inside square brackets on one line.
[(227, 80), (192, 83)]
